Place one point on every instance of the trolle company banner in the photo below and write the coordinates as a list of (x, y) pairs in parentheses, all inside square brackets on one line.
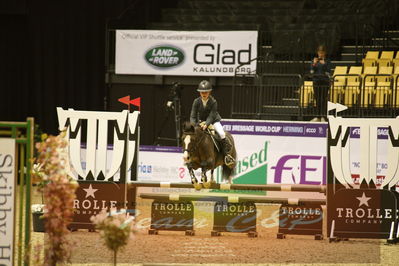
[(102, 173), (7, 200), (192, 53)]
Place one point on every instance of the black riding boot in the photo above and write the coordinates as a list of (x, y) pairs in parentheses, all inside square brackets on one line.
[(228, 159)]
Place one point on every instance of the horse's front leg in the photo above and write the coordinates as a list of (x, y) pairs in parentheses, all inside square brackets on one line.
[(192, 175), (194, 180), (204, 178)]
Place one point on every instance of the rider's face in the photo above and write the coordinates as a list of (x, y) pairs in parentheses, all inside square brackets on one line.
[(321, 54), (205, 95)]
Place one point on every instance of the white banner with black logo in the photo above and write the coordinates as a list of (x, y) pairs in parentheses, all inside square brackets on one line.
[(191, 53), (7, 200)]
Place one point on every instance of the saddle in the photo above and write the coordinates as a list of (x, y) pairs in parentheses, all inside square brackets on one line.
[(217, 142)]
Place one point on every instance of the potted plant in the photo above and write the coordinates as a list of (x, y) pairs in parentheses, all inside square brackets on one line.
[(116, 228), (38, 220), (58, 191)]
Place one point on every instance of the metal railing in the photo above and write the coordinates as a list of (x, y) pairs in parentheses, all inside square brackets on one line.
[(278, 95), (269, 94)]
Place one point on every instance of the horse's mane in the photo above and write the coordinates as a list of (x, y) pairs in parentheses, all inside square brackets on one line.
[(189, 128)]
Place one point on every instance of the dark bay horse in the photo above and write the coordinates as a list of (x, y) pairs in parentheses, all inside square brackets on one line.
[(200, 152)]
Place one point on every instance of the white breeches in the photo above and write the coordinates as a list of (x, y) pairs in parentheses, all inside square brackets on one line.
[(219, 129)]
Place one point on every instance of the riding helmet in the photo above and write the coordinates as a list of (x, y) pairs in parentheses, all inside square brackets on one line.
[(204, 86)]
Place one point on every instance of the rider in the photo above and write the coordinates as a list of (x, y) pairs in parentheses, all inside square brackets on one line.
[(204, 112)]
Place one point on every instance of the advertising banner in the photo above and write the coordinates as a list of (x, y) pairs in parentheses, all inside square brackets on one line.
[(96, 162), (189, 53), (7, 200), (382, 152), (268, 153), (101, 169)]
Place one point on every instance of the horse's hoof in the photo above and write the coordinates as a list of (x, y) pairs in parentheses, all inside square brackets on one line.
[(207, 185), (198, 186)]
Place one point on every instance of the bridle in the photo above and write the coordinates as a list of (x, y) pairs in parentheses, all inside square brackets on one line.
[(195, 144)]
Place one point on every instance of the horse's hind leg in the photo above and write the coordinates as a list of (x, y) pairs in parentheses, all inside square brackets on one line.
[(204, 179)]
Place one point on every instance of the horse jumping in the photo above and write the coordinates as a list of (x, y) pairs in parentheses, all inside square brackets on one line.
[(200, 151)]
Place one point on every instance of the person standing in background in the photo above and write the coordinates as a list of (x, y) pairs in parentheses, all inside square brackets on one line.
[(320, 69)]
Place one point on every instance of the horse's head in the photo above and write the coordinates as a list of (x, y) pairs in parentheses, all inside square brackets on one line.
[(189, 140)]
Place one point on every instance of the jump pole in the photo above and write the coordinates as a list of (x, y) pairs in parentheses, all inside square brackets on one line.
[(270, 187), (231, 199)]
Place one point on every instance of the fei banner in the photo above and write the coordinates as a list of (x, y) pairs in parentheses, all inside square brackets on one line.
[(190, 53)]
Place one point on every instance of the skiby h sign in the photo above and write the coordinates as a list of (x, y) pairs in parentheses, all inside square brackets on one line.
[(7, 201)]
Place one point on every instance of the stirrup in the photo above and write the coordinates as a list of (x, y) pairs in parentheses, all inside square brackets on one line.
[(229, 160)]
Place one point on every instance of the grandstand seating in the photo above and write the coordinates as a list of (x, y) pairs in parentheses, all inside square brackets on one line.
[(339, 83), (292, 26), (371, 58), (368, 85), (395, 93), (289, 31), (385, 59), (352, 88), (307, 94), (384, 84), (374, 82), (395, 61)]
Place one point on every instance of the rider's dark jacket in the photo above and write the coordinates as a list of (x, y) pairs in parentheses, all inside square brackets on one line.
[(209, 113)]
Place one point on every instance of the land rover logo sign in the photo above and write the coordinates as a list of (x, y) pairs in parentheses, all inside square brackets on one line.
[(164, 56)]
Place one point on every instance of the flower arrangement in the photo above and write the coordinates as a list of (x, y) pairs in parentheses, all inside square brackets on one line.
[(59, 193), (116, 228)]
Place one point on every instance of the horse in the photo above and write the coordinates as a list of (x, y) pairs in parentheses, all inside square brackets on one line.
[(200, 151)]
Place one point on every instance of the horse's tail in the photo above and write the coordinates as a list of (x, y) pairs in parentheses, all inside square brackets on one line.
[(227, 172)]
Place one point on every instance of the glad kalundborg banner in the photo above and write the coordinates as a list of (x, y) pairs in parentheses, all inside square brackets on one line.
[(268, 153), (191, 53)]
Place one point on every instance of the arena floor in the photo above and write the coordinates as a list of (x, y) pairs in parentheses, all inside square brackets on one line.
[(169, 248)]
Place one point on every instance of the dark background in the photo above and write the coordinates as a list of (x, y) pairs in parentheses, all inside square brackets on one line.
[(53, 54), (60, 53), (154, 111)]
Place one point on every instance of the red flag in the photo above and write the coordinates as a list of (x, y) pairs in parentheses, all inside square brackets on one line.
[(125, 100), (136, 102)]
